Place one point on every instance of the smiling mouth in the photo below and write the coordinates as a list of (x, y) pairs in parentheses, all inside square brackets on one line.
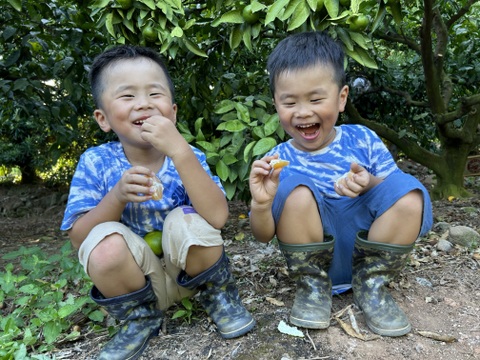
[(309, 130)]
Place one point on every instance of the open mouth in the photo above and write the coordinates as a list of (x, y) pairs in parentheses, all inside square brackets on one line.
[(138, 122), (309, 131)]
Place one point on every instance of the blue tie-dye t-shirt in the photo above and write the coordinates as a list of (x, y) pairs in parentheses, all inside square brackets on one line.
[(101, 167), (352, 143)]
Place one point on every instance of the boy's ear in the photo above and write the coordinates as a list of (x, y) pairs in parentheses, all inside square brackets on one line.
[(343, 96), (101, 120)]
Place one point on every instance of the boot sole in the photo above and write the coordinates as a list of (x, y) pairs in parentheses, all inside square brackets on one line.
[(238, 332), (308, 324), (390, 332)]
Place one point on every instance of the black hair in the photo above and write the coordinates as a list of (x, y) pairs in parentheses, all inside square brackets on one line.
[(303, 50), (118, 53)]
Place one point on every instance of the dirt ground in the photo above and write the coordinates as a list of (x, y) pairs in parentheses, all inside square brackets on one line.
[(439, 291)]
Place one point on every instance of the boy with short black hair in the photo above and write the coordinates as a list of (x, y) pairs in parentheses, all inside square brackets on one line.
[(111, 208), (342, 211)]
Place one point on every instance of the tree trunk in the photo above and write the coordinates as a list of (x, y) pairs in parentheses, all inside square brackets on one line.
[(450, 173)]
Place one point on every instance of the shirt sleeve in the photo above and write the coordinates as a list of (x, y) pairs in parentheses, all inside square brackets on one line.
[(85, 190)]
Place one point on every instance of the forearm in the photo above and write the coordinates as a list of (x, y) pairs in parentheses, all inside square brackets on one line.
[(206, 196), (261, 222), (109, 209)]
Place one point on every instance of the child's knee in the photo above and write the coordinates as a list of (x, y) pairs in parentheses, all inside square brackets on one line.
[(411, 203), (300, 197), (109, 253)]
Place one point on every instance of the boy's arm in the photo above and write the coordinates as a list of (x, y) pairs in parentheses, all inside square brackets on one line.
[(263, 187), (137, 180), (206, 196)]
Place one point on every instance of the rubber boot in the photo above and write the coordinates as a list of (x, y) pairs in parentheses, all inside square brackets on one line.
[(220, 299), (142, 320), (308, 265), (374, 266)]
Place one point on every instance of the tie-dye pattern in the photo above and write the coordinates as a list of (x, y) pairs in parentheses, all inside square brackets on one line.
[(101, 167), (352, 143)]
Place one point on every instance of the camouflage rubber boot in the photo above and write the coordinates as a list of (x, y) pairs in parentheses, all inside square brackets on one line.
[(308, 265), (374, 266), (220, 299), (142, 320)]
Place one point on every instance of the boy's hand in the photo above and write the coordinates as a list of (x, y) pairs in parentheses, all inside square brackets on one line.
[(356, 183), (162, 133), (135, 185), (263, 181)]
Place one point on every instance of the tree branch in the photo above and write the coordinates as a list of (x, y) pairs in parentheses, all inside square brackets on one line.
[(396, 38), (408, 146), (463, 108), (459, 14)]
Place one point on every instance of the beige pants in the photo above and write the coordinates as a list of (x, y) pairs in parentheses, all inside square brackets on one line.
[(182, 229)]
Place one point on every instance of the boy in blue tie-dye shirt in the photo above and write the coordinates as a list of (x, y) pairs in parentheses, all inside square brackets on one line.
[(111, 208), (344, 214)]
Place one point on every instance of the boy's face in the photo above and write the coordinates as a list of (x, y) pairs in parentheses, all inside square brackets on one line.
[(134, 90), (308, 102)]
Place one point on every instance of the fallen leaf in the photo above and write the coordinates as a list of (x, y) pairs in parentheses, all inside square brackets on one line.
[(289, 330), (436, 336), (274, 301)]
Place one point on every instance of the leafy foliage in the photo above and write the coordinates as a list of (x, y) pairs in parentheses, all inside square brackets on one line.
[(420, 59), (39, 302)]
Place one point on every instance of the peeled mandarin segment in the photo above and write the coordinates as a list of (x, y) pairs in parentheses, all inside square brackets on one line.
[(279, 163), (158, 194), (342, 178)]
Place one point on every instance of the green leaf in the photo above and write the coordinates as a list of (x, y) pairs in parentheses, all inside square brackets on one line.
[(109, 24), (271, 125), (332, 7), (16, 4), (232, 126), (179, 314), (362, 57), (360, 39), (381, 12), (275, 10), (263, 145), (242, 113), (194, 48), (230, 17), (345, 37), (221, 170), (149, 3), (301, 14), (224, 106), (247, 38), (207, 146), (236, 37), (51, 330), (177, 32), (247, 150), (291, 7)]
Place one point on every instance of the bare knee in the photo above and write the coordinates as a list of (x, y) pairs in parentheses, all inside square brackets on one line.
[(109, 254), (301, 198), (410, 205)]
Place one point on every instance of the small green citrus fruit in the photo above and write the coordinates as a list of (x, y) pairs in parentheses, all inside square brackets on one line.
[(154, 240), (149, 33), (249, 16)]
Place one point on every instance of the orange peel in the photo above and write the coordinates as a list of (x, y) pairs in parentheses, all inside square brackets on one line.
[(279, 163)]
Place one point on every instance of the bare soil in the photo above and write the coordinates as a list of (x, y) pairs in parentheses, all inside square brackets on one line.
[(439, 291)]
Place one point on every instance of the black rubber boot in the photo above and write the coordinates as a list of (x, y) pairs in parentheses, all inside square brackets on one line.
[(142, 320), (308, 265), (219, 297), (374, 266)]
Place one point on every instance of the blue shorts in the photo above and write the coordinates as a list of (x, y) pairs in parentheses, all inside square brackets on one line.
[(344, 217)]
